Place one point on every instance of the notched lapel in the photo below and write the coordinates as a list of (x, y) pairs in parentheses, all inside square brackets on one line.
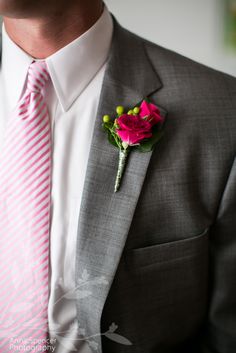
[(105, 216)]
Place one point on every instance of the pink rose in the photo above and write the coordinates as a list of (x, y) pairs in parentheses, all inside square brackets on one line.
[(150, 111), (133, 129)]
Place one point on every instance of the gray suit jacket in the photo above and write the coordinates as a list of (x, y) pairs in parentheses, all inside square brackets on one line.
[(158, 258), (164, 246)]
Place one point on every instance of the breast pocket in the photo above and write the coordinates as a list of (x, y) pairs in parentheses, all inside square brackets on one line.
[(163, 289), (172, 252), (168, 285)]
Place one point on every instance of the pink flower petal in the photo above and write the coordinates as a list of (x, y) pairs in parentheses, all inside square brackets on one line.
[(132, 138)]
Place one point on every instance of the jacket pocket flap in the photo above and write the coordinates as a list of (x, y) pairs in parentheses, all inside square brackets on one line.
[(167, 252)]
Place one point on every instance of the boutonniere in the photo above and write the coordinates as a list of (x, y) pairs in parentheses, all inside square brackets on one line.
[(138, 129)]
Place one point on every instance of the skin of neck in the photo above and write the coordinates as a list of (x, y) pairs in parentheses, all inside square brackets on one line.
[(41, 36)]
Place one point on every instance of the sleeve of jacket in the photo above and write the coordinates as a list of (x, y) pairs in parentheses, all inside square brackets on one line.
[(220, 334)]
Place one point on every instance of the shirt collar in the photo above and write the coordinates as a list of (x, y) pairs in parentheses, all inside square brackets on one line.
[(74, 66), (71, 68)]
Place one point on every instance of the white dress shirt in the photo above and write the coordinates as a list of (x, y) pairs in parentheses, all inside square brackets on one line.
[(72, 96)]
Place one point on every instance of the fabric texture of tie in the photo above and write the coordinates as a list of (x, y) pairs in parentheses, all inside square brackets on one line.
[(25, 188)]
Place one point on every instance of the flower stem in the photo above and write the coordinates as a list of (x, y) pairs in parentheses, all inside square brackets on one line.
[(123, 154)]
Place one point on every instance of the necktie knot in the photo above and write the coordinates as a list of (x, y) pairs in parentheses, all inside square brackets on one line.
[(37, 76)]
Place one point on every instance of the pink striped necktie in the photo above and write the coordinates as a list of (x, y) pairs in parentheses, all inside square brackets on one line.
[(25, 183)]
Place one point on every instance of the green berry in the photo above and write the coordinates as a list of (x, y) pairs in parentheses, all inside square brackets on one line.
[(106, 119), (130, 112), (136, 110), (120, 110)]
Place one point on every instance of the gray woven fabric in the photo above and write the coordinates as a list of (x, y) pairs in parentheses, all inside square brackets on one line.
[(161, 253), (165, 243)]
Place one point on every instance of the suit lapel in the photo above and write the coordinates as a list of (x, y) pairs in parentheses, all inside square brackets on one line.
[(105, 217)]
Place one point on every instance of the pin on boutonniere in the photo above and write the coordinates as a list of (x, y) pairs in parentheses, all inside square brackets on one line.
[(140, 129)]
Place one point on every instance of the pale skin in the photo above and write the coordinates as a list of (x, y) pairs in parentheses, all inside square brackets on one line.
[(43, 27)]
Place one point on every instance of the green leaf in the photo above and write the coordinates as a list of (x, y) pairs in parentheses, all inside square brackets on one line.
[(108, 126), (111, 139), (148, 145), (146, 99)]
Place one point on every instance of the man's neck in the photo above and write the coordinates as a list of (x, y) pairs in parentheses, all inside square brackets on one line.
[(42, 37)]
